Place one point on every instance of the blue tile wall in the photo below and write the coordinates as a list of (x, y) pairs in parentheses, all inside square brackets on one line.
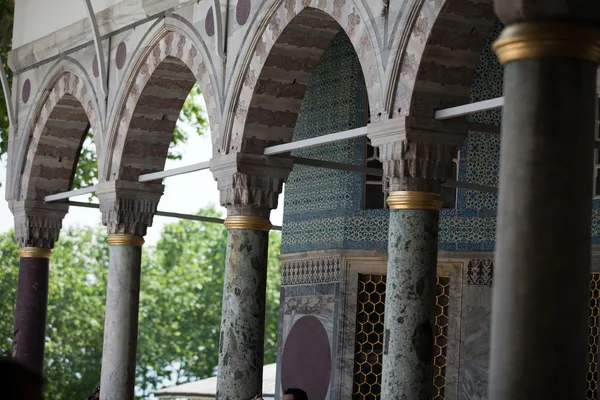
[(323, 207)]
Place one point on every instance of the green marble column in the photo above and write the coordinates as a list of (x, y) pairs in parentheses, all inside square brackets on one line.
[(241, 348), (410, 296)]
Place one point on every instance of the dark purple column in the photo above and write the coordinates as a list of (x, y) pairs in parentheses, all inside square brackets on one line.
[(30, 314)]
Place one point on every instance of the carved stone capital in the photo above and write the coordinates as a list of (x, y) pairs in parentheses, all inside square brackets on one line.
[(416, 153), (250, 184), (37, 224), (128, 207)]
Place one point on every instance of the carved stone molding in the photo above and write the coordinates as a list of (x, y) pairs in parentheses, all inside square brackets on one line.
[(480, 272), (37, 224), (250, 184), (311, 270), (416, 154), (128, 207)]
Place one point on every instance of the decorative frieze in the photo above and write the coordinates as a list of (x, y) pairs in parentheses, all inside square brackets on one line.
[(311, 270), (480, 272), (128, 207)]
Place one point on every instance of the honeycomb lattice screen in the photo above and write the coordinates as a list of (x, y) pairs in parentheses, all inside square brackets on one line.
[(442, 300), (592, 375), (369, 337)]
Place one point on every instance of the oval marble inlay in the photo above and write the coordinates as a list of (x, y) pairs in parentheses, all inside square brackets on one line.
[(121, 55), (242, 11), (209, 22), (306, 361), (95, 68), (26, 91)]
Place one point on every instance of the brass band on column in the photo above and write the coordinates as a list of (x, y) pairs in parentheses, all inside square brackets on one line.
[(35, 252), (408, 200), (548, 39), (123, 239), (248, 222)]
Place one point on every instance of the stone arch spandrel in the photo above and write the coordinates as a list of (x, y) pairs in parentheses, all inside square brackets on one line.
[(439, 58), (346, 15), (170, 50), (55, 138)]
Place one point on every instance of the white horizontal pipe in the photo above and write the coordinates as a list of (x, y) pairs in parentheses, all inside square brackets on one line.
[(70, 193), (471, 108), (191, 217), (325, 139), (173, 172)]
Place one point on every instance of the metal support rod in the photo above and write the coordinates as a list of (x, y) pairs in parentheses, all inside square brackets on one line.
[(324, 139), (154, 176), (334, 165), (12, 120), (98, 46), (70, 193), (190, 217), (471, 108)]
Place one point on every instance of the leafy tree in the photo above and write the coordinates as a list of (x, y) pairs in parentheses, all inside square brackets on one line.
[(180, 306), (181, 301), (6, 24)]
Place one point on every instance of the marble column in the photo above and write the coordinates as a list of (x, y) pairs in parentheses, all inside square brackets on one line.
[(540, 298), (417, 158), (249, 187), (410, 296), (30, 313), (37, 227), (241, 348), (127, 211), (121, 321)]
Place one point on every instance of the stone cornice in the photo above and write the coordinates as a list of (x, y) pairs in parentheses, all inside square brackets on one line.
[(37, 224), (128, 207), (250, 184)]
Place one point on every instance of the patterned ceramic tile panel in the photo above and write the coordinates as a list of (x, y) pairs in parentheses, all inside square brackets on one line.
[(322, 207)]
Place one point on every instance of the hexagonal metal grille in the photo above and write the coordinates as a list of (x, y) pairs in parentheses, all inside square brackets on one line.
[(369, 337), (442, 298), (592, 375)]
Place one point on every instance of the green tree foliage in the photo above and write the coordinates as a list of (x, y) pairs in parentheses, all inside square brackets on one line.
[(6, 24), (180, 306)]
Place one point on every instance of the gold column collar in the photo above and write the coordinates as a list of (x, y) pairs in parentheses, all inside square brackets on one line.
[(548, 39), (248, 222), (404, 200), (35, 252), (122, 239)]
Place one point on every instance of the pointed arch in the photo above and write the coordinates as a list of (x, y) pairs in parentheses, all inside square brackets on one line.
[(159, 83), (305, 26), (56, 135), (439, 59)]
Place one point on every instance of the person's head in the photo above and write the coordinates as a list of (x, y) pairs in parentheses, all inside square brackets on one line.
[(19, 382), (294, 394)]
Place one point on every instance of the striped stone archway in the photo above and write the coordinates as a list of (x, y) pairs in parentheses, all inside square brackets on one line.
[(296, 35), (160, 84)]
